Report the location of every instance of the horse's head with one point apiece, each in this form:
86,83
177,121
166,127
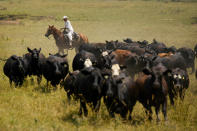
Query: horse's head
49,31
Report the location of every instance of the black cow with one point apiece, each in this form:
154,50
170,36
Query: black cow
14,70
138,43
69,85
171,62
189,56
178,83
153,89
120,94
55,68
158,47
33,63
87,86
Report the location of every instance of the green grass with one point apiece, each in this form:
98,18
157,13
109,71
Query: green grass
31,107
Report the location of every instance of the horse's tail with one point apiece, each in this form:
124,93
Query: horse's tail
83,38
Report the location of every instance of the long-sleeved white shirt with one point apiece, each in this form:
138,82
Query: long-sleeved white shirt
69,26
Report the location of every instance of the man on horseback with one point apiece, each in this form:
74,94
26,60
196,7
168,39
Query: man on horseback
68,29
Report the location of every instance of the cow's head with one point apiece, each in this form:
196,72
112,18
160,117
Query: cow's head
179,78
110,45
34,54
158,74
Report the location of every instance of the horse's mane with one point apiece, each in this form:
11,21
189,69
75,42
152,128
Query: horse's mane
55,29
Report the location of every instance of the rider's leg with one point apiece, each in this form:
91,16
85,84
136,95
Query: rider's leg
70,38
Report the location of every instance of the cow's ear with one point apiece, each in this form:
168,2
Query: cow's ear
123,67
29,50
14,57
112,57
39,50
107,41
167,72
50,54
110,51
146,71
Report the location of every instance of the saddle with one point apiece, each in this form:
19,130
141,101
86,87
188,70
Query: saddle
74,35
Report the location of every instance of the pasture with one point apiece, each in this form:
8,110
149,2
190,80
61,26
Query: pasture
23,24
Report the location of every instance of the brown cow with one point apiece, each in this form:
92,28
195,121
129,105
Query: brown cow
153,89
125,58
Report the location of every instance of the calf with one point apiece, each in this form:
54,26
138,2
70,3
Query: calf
153,89
14,70
55,68
178,83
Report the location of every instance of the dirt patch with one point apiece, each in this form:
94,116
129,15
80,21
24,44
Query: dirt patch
11,17
10,22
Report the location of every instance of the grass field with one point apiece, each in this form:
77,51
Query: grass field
23,24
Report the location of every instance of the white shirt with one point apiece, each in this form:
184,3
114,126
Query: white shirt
69,26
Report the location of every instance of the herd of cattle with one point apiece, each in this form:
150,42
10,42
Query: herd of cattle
121,73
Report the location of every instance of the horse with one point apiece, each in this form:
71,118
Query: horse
62,42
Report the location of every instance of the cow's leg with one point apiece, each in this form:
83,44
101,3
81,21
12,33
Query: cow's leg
21,81
80,109
148,110
182,94
97,105
108,104
10,80
157,108
124,112
171,96
69,97
39,79
164,108
83,108
131,109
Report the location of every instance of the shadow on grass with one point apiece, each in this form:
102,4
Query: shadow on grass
43,89
73,118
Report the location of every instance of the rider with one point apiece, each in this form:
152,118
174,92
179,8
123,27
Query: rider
69,28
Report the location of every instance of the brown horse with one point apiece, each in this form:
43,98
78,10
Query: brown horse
61,41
